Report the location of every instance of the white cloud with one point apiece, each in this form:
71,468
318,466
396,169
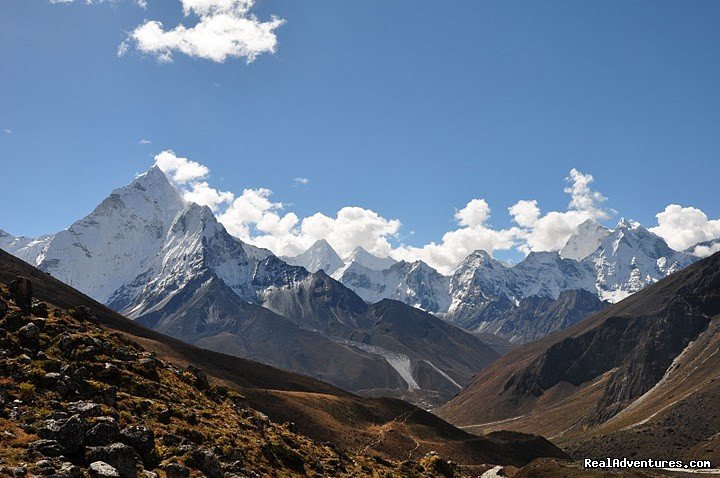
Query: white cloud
457,245
525,212
201,193
583,198
7,131
145,141
474,214
706,250
302,181
180,170
682,227
123,48
551,231
256,218
224,29
140,3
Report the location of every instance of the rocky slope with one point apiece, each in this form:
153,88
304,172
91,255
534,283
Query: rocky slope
88,392
636,376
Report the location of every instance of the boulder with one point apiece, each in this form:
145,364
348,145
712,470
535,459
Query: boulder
100,469
205,461
147,367
39,309
68,470
49,448
118,455
22,293
68,433
85,409
200,380
29,335
176,470
104,431
142,439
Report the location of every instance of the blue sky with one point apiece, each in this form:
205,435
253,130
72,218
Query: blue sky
410,109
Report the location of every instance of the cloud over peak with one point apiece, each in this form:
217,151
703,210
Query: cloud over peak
255,217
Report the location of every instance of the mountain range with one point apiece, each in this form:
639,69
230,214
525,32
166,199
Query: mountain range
88,392
483,294
365,323
640,378
169,264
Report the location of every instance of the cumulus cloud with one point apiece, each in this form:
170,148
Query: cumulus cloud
474,214
551,231
705,250
249,209
180,170
201,193
255,217
456,245
682,227
140,3
223,29
525,213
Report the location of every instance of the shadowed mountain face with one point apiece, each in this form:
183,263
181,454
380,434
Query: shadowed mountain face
386,428
535,317
631,369
426,352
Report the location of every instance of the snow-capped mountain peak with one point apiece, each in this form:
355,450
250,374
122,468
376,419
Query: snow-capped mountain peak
319,256
29,249
106,249
584,241
630,258
371,261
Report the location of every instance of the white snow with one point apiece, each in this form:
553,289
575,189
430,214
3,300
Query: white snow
416,284
29,249
584,241
401,363
448,377
319,256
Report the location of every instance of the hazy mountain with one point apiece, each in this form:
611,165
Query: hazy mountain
535,316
